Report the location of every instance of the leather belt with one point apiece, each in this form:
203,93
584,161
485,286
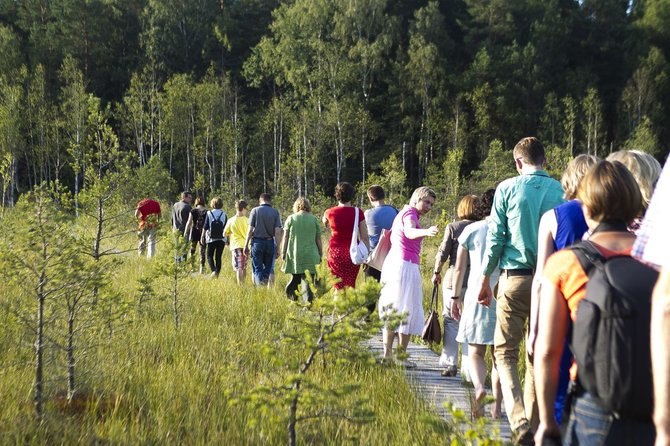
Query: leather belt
518,272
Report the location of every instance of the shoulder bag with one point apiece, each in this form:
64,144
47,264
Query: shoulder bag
357,250
431,329
378,255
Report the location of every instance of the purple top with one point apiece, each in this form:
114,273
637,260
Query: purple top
409,249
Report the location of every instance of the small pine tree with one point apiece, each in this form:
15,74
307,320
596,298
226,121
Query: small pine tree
171,265
331,329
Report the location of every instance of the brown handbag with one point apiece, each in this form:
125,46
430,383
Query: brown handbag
431,329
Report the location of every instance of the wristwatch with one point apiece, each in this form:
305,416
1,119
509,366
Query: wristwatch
437,272
455,297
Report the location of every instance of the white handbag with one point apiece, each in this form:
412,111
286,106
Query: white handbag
357,250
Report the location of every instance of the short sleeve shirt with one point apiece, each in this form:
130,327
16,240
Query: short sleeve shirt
409,248
149,211
265,219
236,229
378,218
341,221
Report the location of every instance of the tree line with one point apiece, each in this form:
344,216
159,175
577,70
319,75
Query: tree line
244,96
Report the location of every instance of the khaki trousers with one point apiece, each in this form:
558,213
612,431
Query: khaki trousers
512,312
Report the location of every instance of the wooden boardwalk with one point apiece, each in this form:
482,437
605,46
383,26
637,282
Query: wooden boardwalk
438,390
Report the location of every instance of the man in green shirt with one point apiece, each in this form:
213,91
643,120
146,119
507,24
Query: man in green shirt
511,243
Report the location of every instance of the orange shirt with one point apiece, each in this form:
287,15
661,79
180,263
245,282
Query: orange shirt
564,271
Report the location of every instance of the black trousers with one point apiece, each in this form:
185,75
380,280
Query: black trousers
375,274
214,253
294,285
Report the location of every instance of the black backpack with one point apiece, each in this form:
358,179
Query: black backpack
216,227
200,215
610,337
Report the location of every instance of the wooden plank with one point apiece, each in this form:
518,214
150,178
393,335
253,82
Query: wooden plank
438,390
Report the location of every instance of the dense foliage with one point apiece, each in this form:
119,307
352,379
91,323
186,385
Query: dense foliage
290,96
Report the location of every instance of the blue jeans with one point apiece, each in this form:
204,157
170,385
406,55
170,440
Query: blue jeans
262,259
591,425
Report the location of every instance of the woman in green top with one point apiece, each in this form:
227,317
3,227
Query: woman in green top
301,246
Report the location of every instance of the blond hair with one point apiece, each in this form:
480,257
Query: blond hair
301,204
420,193
574,173
216,203
644,167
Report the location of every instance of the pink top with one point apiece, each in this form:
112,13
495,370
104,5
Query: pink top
409,249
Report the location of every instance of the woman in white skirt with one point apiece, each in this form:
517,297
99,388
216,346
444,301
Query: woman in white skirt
401,280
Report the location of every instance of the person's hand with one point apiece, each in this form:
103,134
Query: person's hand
277,253
246,251
456,309
548,434
485,293
432,231
436,279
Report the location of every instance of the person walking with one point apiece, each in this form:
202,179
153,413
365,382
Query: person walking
651,247
378,218
181,211
559,228
401,279
194,228
148,212
264,235
447,253
340,219
235,231
611,199
213,235
301,248
511,243
476,322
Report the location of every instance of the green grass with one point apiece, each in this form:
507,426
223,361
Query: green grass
152,384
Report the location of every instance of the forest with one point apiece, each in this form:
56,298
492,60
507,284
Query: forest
237,97
105,102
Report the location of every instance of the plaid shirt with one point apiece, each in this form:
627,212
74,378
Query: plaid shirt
653,238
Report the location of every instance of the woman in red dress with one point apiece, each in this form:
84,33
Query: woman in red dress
341,220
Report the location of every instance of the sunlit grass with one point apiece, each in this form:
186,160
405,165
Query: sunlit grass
151,383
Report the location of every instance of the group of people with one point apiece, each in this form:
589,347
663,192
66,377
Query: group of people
537,243
519,259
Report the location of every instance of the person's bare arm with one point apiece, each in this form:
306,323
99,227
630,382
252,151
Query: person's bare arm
319,245
363,234
552,327
412,232
278,237
545,247
460,267
660,356
247,240
284,244
189,223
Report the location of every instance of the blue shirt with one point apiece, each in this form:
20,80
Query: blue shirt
378,218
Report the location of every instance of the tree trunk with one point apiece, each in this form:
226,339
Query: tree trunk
175,292
39,350
70,355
